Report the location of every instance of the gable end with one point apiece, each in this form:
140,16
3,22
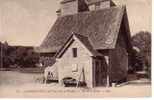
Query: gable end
70,41
124,38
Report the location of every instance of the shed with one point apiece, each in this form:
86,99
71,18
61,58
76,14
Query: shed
77,59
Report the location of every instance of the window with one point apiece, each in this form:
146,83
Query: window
74,51
97,6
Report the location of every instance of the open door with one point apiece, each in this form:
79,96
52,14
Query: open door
100,71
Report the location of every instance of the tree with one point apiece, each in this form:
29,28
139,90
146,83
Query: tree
25,57
142,40
5,61
22,56
31,58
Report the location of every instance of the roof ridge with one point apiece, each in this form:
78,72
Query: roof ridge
80,35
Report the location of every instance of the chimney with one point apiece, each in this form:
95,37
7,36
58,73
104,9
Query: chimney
69,7
99,4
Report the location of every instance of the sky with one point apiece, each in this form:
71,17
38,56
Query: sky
27,22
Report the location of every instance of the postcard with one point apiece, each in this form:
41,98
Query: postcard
75,48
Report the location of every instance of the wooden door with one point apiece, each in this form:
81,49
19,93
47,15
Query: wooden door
100,72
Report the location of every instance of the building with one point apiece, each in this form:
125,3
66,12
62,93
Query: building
102,30
77,58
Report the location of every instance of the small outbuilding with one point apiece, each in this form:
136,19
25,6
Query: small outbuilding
78,59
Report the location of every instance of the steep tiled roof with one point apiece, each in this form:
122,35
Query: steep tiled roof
85,41
101,27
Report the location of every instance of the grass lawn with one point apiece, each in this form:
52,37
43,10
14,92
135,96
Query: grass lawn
14,78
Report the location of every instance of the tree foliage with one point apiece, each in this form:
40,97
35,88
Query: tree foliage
18,55
142,40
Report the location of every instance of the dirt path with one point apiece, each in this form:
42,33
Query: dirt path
53,90
15,84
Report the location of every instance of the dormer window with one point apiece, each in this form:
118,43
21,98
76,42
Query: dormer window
99,4
74,52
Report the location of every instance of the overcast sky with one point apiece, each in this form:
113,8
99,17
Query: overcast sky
27,22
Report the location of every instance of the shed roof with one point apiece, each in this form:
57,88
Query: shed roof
84,40
101,27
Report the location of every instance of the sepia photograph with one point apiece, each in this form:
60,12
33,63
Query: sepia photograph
75,48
